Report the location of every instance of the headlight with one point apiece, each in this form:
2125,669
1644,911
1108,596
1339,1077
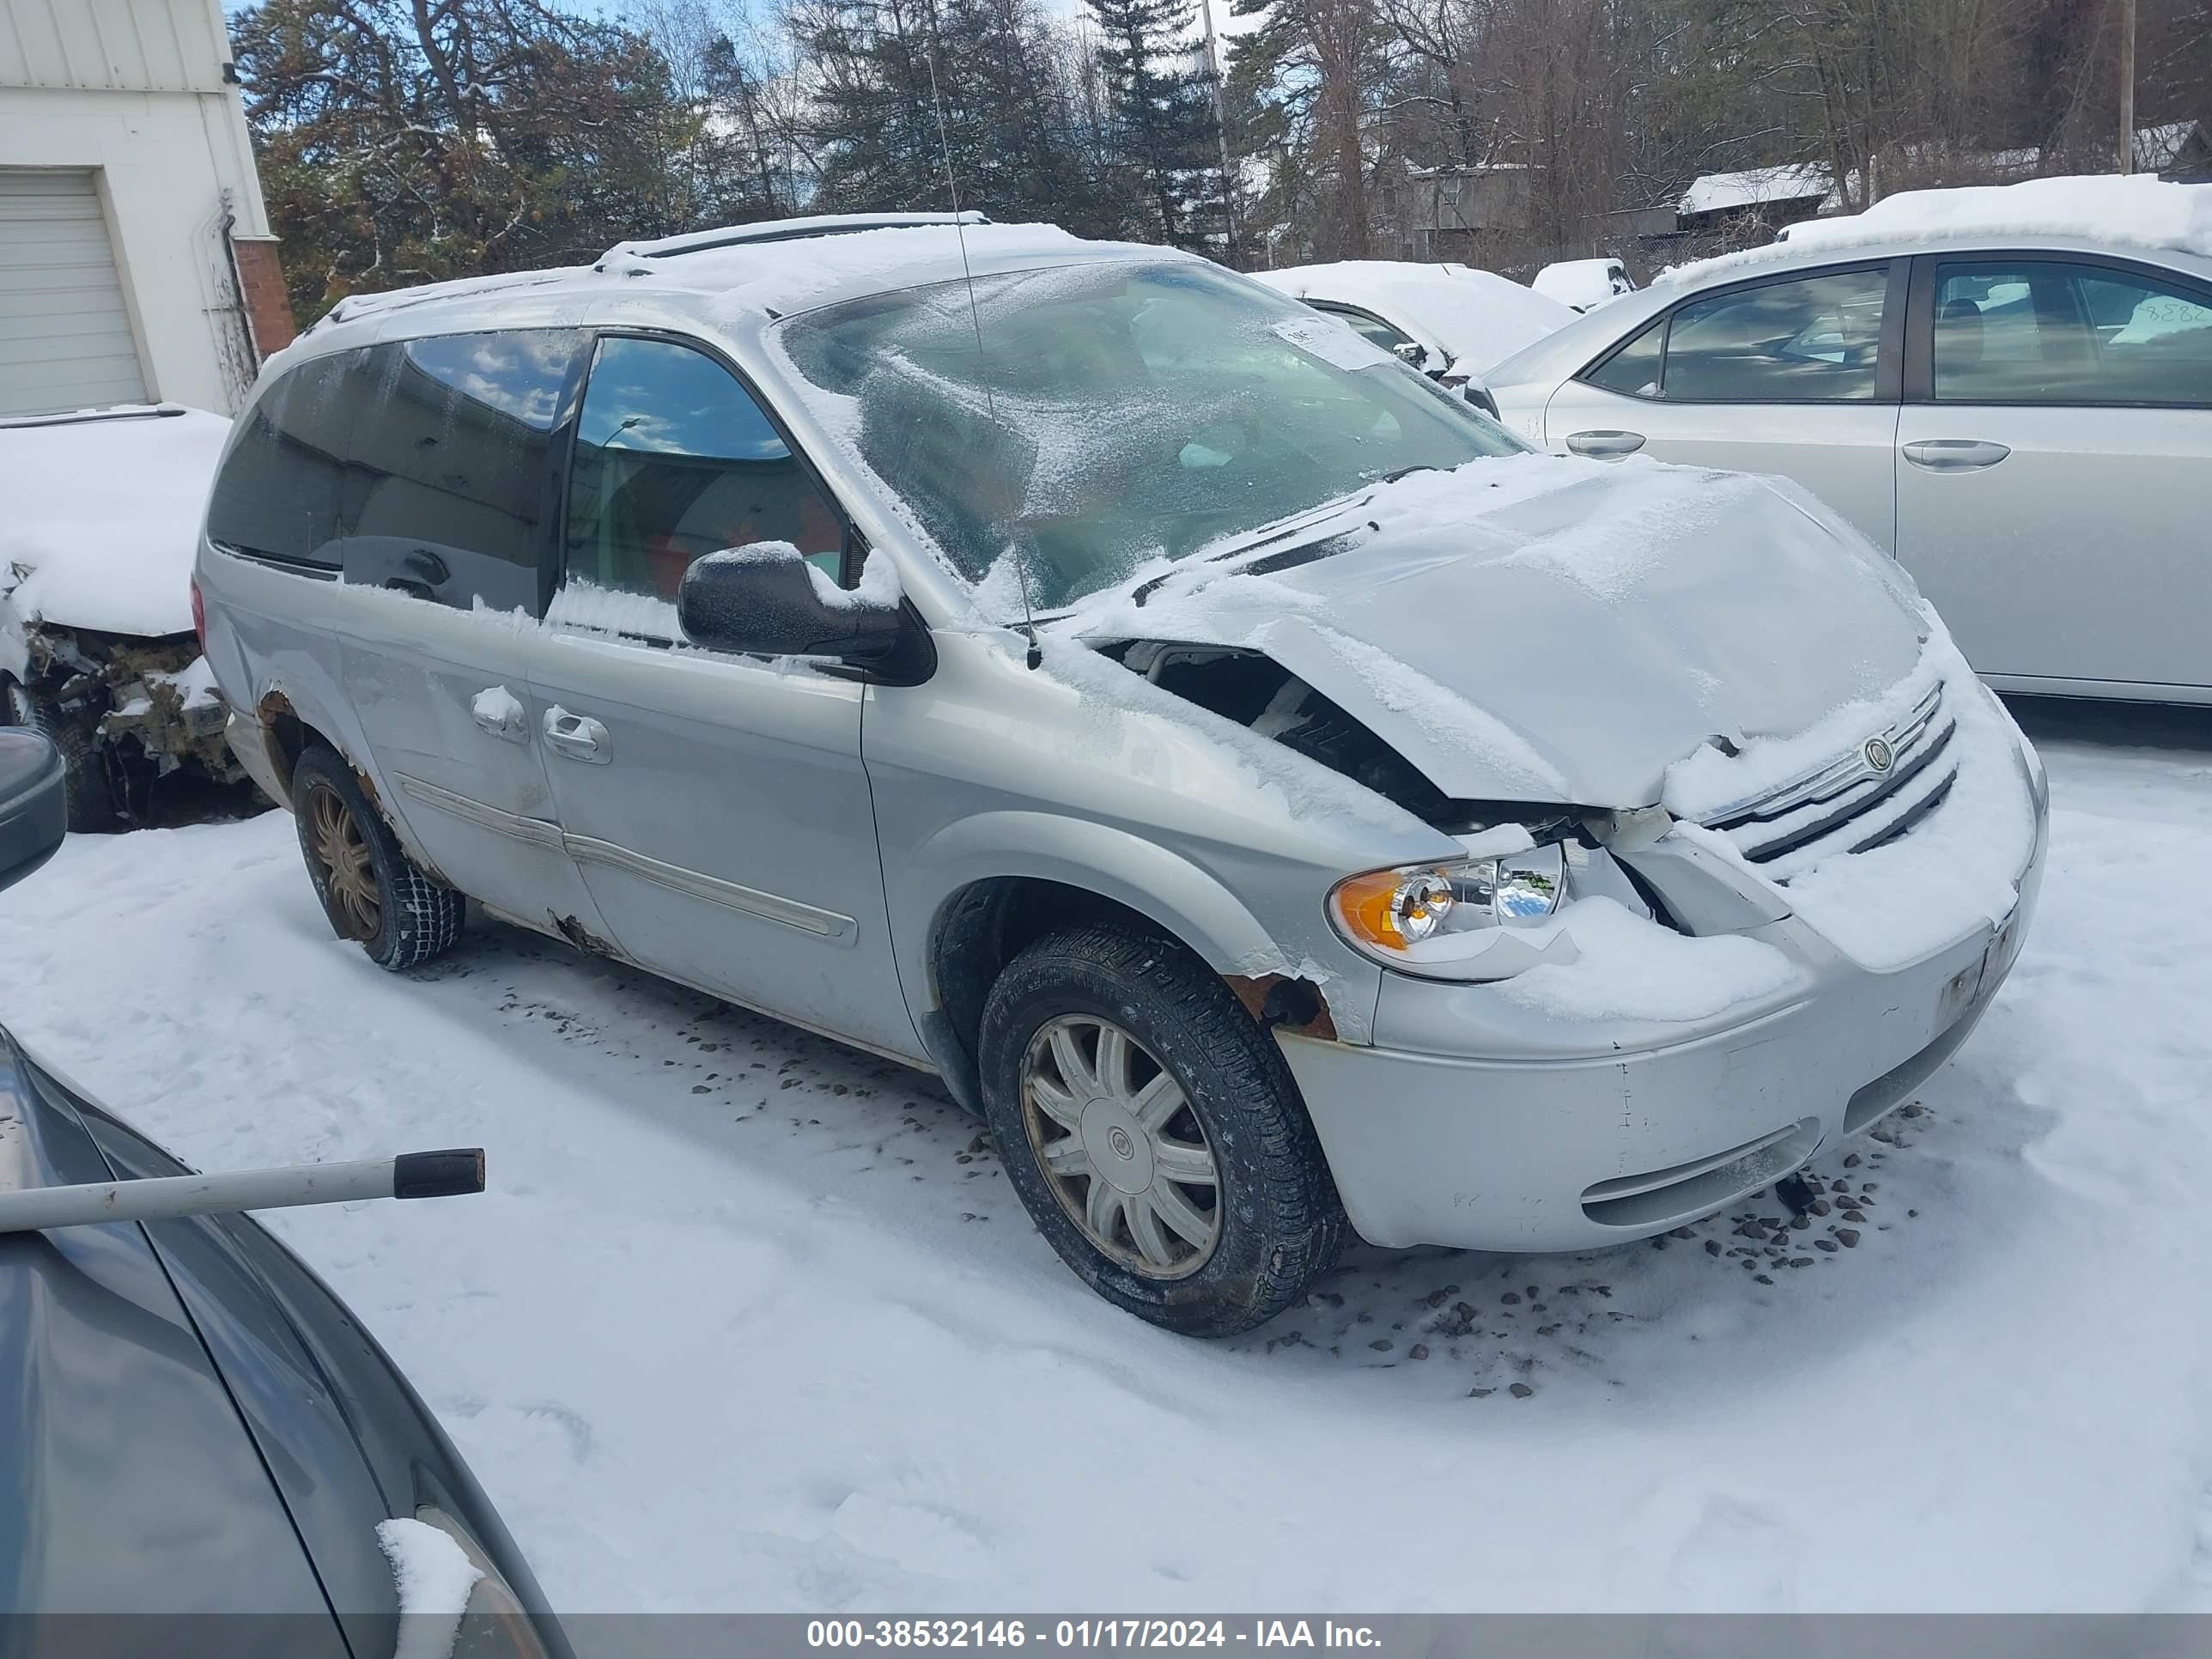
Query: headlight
494,1624
1416,916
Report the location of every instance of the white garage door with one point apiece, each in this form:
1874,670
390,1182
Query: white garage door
64,337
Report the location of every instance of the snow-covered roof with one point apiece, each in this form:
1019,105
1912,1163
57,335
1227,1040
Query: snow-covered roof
784,265
1755,185
1476,317
2132,211
104,514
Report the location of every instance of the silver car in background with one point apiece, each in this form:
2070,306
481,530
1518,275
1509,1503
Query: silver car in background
2022,417
1280,803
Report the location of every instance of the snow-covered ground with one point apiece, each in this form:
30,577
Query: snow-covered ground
748,1322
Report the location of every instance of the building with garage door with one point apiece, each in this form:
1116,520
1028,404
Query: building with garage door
136,262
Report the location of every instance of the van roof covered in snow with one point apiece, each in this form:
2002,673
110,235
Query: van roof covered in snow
755,267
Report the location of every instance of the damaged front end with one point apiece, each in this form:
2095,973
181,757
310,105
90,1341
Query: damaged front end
129,712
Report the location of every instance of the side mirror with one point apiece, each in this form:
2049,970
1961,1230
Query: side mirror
1472,387
33,803
766,600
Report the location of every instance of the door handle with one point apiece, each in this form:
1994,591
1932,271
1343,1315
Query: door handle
497,712
1604,445
577,736
1954,454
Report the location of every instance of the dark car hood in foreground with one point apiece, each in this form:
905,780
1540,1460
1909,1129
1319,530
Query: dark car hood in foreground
1547,630
193,1404
128,1483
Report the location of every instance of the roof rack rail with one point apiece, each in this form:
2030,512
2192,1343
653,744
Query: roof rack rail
363,305
783,230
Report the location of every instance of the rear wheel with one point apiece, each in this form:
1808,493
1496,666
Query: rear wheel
1154,1133
372,891
91,806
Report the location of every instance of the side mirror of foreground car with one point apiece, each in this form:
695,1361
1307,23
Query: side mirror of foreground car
33,803
767,600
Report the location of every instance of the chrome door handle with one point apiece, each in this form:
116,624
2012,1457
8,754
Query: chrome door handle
1955,454
498,712
1604,445
577,736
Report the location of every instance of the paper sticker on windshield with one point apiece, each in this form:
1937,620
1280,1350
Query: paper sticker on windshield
1332,342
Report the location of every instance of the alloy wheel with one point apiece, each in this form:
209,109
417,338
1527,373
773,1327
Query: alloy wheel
342,861
1120,1147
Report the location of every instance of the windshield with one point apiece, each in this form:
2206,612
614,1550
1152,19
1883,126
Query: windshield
1117,412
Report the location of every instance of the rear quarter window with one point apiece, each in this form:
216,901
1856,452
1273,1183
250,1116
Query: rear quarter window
278,492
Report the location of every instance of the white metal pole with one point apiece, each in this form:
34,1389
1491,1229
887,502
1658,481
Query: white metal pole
412,1175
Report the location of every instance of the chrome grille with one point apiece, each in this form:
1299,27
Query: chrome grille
1850,804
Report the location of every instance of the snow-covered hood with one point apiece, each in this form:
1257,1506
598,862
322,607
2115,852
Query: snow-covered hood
102,519
1540,629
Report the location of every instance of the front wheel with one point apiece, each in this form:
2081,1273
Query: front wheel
1154,1133
370,890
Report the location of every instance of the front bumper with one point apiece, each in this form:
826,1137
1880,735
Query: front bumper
1599,1149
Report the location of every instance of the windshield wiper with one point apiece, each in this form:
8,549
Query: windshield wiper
1266,535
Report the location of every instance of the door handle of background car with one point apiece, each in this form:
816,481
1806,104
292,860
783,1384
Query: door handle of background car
1955,454
577,736
1605,446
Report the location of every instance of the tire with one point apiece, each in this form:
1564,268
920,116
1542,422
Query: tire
372,891
91,806
1189,1076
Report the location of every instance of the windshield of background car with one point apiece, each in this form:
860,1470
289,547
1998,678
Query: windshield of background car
1113,413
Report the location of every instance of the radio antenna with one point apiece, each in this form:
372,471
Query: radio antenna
975,320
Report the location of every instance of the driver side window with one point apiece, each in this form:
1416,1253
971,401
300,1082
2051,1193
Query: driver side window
674,461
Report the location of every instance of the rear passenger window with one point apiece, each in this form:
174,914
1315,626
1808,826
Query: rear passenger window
450,490
277,495
2030,332
675,460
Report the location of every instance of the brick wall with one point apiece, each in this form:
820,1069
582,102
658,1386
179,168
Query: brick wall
261,281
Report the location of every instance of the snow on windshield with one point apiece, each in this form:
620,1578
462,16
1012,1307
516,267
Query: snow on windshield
1093,416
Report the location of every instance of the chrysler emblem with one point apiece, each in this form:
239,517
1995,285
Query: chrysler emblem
1879,754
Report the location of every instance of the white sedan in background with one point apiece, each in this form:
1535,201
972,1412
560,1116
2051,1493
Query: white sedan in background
2009,388
1450,321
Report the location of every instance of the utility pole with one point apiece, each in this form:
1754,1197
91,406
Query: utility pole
1221,126
2127,86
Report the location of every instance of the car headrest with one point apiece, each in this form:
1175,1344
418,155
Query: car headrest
1958,335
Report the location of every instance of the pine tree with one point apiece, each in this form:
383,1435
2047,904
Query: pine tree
919,100
1161,135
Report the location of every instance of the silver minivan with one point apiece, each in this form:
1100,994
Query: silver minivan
1281,803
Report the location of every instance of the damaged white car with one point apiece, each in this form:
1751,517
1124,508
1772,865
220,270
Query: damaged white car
1281,803
97,647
